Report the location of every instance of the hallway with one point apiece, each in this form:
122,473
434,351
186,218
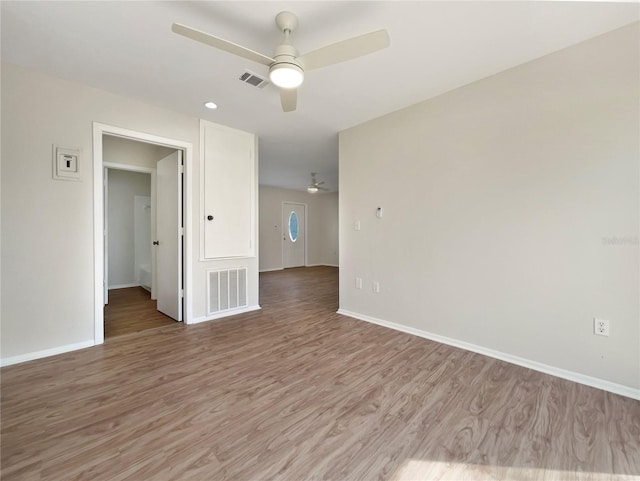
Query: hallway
132,310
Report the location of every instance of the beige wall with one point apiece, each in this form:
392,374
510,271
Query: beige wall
47,225
502,204
322,226
131,152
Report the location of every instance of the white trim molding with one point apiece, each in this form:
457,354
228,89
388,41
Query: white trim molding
46,353
615,388
227,313
128,167
99,130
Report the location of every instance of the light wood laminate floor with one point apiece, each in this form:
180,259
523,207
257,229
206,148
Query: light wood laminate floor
131,309
297,392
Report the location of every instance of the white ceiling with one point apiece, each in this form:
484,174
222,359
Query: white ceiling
128,48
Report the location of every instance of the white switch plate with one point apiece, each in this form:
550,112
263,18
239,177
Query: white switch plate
66,163
358,282
356,225
376,287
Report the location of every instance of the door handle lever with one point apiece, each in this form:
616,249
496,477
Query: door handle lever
156,243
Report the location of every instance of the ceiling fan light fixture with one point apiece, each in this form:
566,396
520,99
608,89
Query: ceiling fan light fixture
210,105
312,189
286,75
286,65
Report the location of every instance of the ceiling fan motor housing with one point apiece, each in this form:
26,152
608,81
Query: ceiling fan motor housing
286,71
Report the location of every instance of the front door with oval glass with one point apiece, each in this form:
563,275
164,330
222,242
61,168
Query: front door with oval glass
293,234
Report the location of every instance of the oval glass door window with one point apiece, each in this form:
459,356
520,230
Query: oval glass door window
293,226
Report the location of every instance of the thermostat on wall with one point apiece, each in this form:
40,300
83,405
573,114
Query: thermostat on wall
66,163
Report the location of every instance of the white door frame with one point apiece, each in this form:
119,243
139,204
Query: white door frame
99,130
282,239
105,235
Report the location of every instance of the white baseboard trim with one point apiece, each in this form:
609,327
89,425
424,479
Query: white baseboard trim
124,286
272,270
615,388
46,353
230,312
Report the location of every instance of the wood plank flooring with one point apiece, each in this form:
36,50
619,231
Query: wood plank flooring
132,310
297,392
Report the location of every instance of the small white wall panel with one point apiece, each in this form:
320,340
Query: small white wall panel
229,189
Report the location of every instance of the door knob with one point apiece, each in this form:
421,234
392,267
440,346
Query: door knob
156,243
209,217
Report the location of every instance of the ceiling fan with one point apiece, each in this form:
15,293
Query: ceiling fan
315,186
287,67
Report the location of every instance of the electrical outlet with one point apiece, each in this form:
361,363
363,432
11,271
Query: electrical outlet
600,327
358,282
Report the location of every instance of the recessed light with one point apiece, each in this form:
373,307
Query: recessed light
210,105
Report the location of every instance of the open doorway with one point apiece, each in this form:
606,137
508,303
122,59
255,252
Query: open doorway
135,218
130,300
140,279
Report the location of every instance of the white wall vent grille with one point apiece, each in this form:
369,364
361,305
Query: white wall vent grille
227,289
253,79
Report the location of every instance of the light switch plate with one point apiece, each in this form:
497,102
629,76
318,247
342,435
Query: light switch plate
66,163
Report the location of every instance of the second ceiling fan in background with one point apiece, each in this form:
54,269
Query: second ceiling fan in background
287,67
315,186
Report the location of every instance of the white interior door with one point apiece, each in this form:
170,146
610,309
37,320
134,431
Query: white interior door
169,236
293,234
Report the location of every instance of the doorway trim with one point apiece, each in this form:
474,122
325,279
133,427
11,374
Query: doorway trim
99,130
306,223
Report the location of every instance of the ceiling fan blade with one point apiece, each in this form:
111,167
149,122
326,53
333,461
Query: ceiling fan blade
346,50
221,44
289,99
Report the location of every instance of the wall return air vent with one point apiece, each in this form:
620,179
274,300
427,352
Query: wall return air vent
227,289
253,79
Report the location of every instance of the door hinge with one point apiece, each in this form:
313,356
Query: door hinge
181,293
181,169
182,231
